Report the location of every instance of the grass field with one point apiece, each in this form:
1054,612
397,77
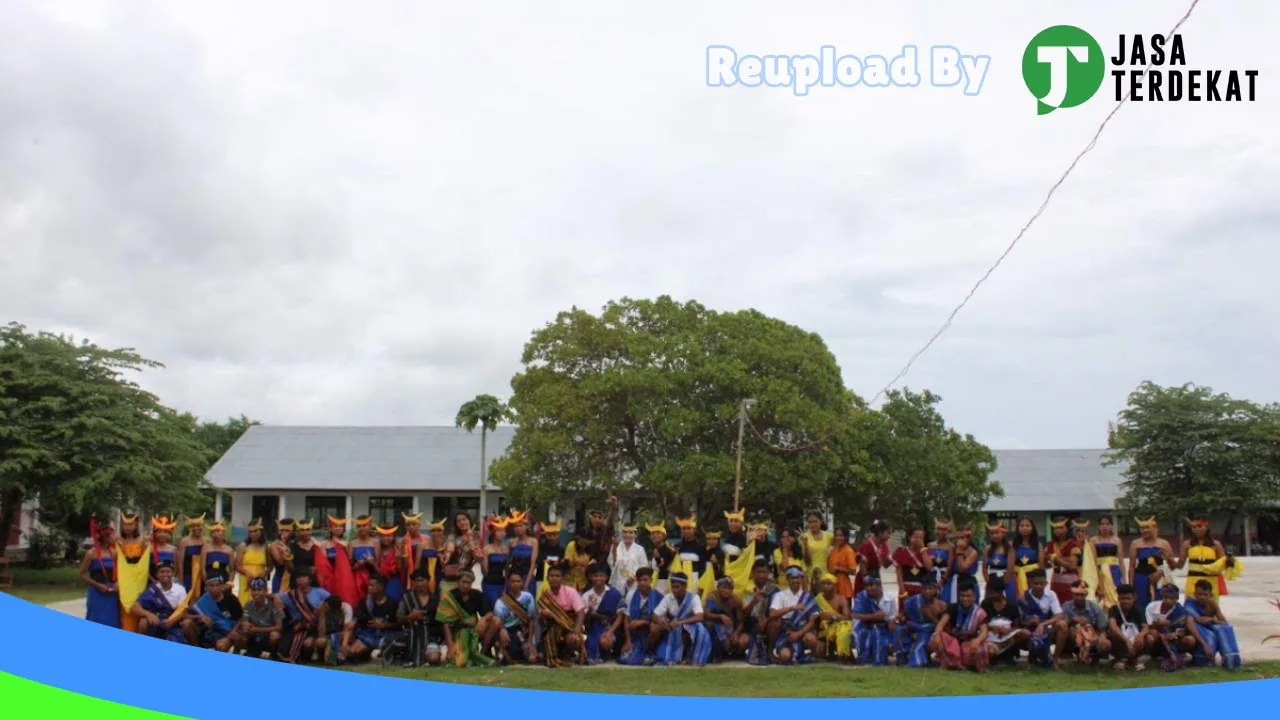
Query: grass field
822,681
46,586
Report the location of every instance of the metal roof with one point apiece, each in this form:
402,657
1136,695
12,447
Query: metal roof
432,459
407,459
1054,480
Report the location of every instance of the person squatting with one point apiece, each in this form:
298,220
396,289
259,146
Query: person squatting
704,598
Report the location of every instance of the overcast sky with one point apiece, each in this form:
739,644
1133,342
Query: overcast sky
317,215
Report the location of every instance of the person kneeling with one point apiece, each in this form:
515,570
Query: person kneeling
263,621
872,632
724,620
679,616
797,613
515,611
1127,629
468,623
161,607
377,626
563,616
961,638
1084,631
216,617
1214,635
1168,635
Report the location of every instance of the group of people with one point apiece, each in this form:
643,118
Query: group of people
510,593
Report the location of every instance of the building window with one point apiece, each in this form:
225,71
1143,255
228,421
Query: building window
443,508
320,507
386,511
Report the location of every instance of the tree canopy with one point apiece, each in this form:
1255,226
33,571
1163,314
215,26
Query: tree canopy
642,399
1191,451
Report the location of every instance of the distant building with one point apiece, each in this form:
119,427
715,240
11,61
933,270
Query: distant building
26,520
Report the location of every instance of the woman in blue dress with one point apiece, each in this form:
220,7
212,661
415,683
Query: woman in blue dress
524,550
965,565
1027,555
218,557
940,558
190,548
162,550
493,560
1149,557
997,558
98,572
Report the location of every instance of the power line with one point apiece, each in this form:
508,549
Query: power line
1036,215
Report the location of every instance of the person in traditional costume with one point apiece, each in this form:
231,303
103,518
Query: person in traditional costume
835,623
1108,549
797,612
960,640
735,538
764,546
281,555
723,615
1064,555
494,559
262,622
252,559
469,625
843,564
304,605
1149,556
815,542
563,619
679,617
1041,616
872,629
873,555
339,620
1126,628
387,562
626,558
717,558
1214,635
364,556
918,617
577,558
1205,558
162,548
1028,555
761,629
302,550
417,613
1084,627
910,563
1005,631
997,559
333,567
190,548
603,621
433,553
461,553
133,567
550,552
516,611
161,608
691,553
640,637
966,562
524,549
664,556
940,558
413,551
1168,633
600,532
218,557
214,619
789,553
377,623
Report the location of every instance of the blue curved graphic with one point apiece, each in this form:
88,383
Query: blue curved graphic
68,653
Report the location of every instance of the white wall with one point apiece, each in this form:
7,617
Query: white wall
295,502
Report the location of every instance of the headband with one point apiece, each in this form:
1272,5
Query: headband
688,523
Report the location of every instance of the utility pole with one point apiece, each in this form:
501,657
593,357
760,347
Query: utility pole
742,427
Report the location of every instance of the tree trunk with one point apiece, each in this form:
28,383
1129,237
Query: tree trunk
484,467
10,506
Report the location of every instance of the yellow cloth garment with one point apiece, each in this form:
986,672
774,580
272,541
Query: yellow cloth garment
131,579
1022,572
1204,559
838,633
254,561
1106,583
737,569
818,548
576,578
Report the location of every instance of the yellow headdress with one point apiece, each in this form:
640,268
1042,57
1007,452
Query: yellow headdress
759,527
828,578
551,527
364,521
1148,523
998,527
128,520
337,522
162,523
195,521
740,515
713,535
1059,524
218,526
437,526
385,531
1080,524
499,522
287,524
414,518
304,525
689,523
255,524
660,527
1197,523
517,518
630,528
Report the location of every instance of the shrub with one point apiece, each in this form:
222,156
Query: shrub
47,547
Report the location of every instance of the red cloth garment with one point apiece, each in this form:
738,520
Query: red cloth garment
913,569
875,557
337,578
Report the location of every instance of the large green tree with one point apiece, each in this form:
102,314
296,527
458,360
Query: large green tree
903,464
641,401
485,412
1189,450
78,436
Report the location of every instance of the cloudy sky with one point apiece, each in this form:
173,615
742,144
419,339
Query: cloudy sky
323,215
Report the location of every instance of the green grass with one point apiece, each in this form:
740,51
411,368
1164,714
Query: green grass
822,681
46,586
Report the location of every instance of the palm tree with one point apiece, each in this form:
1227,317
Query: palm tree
485,411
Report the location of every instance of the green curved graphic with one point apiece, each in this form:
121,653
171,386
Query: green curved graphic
25,698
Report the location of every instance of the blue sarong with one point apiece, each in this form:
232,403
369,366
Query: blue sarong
911,638
222,626
794,621
1220,637
671,651
153,601
640,608
596,626
871,639
720,633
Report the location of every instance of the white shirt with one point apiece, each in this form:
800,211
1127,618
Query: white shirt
625,561
1154,613
625,607
785,598
1049,604
174,595
670,605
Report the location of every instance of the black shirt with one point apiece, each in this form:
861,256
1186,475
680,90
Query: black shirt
764,551
549,551
697,554
474,602
371,609
1135,615
662,556
738,540
304,561
718,555
229,607
1009,612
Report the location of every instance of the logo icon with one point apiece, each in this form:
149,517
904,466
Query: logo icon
1063,66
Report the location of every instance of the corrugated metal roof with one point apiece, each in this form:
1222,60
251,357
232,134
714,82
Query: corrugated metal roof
422,459
427,459
1054,480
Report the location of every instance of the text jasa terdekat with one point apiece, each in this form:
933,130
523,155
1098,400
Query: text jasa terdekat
1168,79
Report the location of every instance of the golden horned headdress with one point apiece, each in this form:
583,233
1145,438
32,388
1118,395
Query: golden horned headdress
740,515
499,522
689,523
998,528
660,527
437,526
304,525
254,524
518,518
364,521
195,521
217,527
1080,524
414,519
1150,522
127,520
1198,524
713,534
162,523
550,528
337,522
1059,524
630,528
385,531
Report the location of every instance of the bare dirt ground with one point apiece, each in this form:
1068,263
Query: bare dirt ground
1248,607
